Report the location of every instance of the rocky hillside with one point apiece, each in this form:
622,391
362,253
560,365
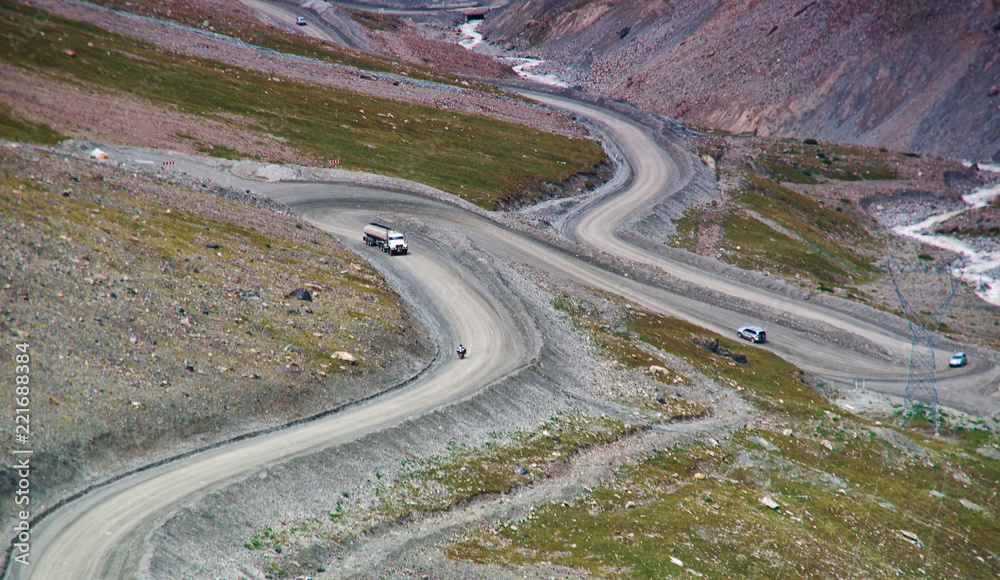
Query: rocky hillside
162,316
916,75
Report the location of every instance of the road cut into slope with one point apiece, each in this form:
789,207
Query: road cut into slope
657,175
104,533
100,534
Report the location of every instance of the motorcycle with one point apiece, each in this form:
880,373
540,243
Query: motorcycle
461,351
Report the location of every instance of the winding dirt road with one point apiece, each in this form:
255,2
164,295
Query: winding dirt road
100,535
657,175
103,533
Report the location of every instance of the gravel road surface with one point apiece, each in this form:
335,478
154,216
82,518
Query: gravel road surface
454,277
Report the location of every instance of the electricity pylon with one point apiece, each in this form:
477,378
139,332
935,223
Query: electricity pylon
921,376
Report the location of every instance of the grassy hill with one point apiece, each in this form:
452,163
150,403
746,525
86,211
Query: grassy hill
476,157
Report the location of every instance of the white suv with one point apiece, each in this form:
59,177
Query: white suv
752,333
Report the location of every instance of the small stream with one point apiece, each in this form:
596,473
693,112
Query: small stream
523,67
470,33
471,37
981,254
982,260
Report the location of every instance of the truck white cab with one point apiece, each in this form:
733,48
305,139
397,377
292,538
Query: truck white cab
386,238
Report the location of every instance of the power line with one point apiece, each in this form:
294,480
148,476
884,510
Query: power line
921,376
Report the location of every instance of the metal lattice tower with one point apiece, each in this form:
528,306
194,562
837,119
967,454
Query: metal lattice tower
921,376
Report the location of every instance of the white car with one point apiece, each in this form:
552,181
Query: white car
301,21
958,360
752,333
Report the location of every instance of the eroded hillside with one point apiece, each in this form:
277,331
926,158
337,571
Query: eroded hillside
920,75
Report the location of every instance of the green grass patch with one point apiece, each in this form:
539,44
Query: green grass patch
477,158
13,130
826,246
809,162
178,240
753,245
698,508
498,466
685,225
614,341
808,218
815,242
503,463
847,488
201,16
766,379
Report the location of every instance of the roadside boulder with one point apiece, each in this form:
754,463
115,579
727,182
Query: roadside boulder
301,294
344,356
248,294
710,344
911,538
764,443
740,358
971,505
770,503
988,452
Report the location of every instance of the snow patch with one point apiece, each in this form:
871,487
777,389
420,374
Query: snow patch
993,167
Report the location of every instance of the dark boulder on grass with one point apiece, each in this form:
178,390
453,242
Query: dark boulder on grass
712,345
301,294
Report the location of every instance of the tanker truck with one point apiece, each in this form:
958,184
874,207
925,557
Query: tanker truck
386,238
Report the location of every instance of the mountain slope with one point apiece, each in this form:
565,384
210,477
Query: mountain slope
919,75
